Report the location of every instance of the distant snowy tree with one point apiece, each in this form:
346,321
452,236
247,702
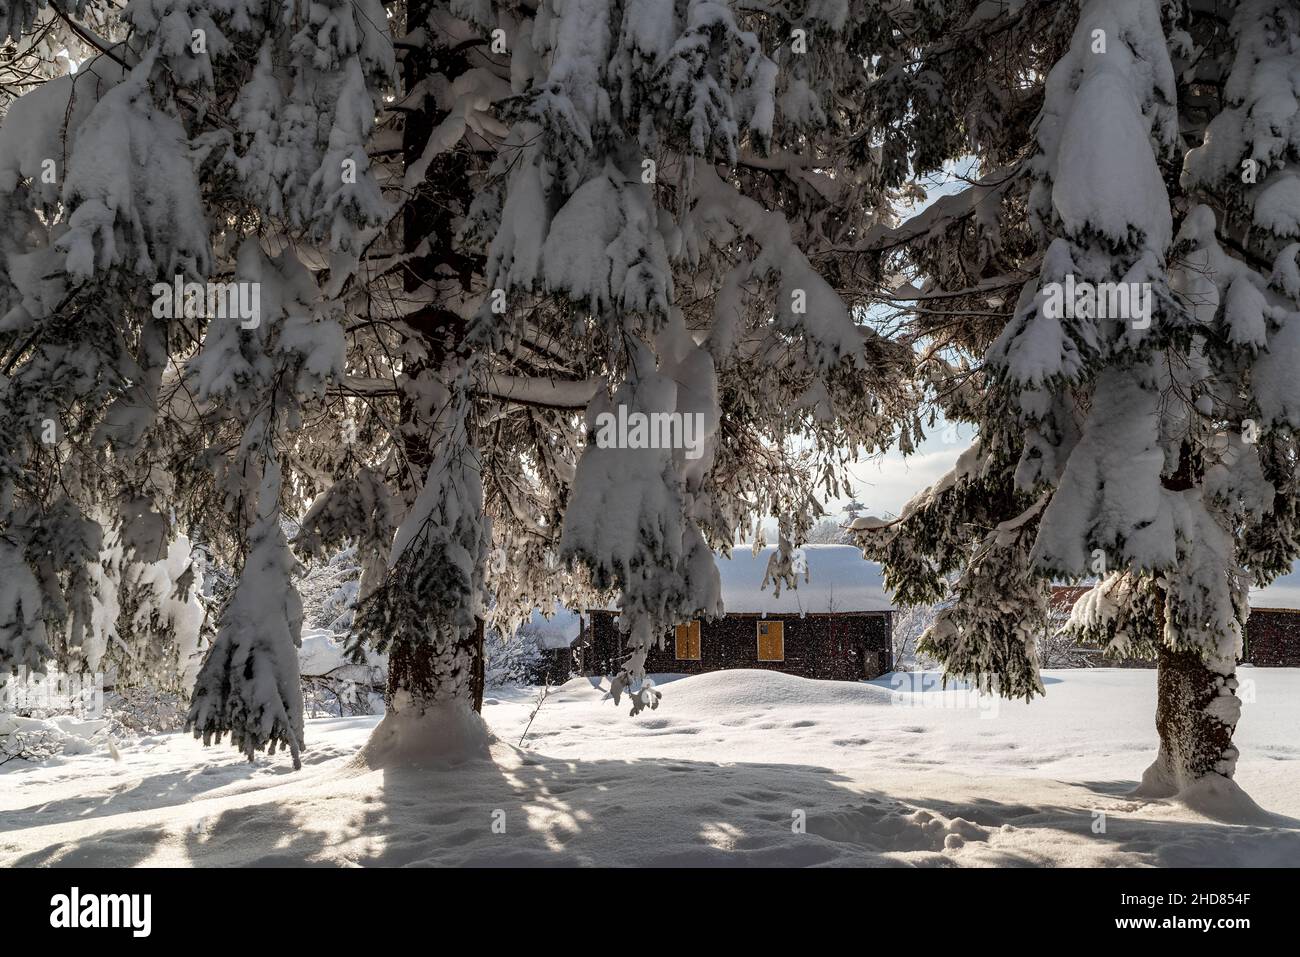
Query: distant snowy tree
909,624
1059,645
513,659
329,590
1147,440
827,531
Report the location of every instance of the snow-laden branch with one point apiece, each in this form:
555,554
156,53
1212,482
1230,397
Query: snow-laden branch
936,217
552,393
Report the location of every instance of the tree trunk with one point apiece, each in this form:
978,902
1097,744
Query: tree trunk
1196,698
424,671
1196,713
478,677
422,666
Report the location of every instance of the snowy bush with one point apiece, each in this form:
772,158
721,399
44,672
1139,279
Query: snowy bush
910,622
22,742
143,710
38,737
521,658
330,589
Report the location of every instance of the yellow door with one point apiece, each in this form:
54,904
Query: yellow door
771,641
687,641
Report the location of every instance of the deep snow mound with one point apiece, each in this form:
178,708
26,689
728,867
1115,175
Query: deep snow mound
443,736
733,689
1222,799
745,688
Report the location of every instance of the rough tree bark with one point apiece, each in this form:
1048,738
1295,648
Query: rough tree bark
1196,714
1196,696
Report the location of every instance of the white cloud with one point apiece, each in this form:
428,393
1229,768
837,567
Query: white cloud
885,484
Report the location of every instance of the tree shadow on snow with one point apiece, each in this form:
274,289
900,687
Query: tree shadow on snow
125,847
1115,828
524,808
148,793
530,809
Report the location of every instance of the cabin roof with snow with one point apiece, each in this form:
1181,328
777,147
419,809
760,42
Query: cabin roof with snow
558,631
832,579
839,579
1283,593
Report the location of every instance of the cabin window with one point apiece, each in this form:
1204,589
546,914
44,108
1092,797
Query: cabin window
688,641
771,641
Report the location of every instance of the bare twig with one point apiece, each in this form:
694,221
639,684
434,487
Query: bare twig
541,698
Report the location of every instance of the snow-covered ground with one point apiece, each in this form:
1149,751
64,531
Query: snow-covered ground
722,773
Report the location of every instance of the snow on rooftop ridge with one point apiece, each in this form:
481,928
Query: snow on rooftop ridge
558,631
839,579
1282,592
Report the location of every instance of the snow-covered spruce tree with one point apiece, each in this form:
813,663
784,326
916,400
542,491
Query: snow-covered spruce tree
1148,442
203,145
59,356
249,684
661,177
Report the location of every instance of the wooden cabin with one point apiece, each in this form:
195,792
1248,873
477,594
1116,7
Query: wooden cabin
1271,635
837,624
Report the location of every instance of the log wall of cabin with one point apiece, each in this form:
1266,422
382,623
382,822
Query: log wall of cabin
840,647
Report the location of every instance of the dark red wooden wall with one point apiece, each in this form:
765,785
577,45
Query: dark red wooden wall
1273,638
841,647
